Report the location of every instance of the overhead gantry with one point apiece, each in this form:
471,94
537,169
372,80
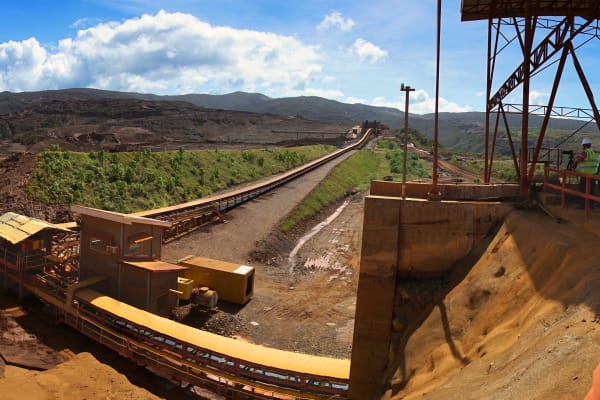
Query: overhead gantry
515,23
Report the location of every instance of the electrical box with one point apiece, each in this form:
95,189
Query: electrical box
233,282
185,286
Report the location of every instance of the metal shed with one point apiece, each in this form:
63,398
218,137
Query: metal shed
127,250
25,246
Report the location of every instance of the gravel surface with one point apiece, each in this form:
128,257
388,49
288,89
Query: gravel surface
309,309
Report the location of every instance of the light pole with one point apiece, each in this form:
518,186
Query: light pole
406,90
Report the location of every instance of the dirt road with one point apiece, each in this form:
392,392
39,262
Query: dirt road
305,310
310,310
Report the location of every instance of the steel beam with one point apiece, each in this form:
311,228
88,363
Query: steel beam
510,141
562,34
525,78
559,72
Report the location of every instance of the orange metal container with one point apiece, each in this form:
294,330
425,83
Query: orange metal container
233,282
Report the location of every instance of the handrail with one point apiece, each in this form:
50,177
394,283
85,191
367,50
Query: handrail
564,190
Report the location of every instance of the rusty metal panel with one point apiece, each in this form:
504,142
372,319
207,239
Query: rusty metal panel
113,216
16,228
472,10
162,300
233,282
156,266
134,288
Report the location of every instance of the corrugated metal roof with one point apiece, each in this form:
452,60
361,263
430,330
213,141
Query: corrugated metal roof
204,262
483,9
118,217
16,227
155,266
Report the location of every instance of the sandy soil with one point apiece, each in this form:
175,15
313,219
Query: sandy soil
301,310
82,377
522,324
296,311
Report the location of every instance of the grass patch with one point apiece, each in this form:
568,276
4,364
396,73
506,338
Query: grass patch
355,174
391,154
502,169
135,181
352,174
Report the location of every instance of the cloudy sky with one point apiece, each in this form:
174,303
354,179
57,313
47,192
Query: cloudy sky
350,51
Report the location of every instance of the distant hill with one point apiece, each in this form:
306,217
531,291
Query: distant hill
458,131
86,120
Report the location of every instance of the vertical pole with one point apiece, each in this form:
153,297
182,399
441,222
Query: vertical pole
488,89
437,99
509,137
405,144
540,141
406,90
525,121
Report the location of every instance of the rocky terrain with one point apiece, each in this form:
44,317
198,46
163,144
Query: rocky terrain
93,121
129,124
270,319
520,322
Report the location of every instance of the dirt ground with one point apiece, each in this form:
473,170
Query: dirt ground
304,309
522,324
308,309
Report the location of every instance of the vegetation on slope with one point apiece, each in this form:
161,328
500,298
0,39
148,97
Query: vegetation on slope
354,174
503,169
135,181
393,154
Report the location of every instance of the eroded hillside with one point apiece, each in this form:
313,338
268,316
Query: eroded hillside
523,324
128,124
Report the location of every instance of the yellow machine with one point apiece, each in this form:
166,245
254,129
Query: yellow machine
233,282
185,286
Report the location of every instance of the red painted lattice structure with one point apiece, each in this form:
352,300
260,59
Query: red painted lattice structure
517,22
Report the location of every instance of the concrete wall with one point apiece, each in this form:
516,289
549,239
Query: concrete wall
403,239
447,191
375,298
435,235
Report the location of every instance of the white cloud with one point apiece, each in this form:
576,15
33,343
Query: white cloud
367,51
355,100
82,23
538,98
311,91
162,53
420,102
336,20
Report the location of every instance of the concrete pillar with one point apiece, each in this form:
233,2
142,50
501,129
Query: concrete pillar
375,301
414,239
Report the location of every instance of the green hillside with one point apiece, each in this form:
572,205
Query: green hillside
136,181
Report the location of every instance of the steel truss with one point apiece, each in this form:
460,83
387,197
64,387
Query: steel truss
565,36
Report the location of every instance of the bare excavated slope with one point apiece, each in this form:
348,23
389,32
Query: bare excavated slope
110,124
522,324
82,377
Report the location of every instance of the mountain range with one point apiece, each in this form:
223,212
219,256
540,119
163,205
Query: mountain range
457,131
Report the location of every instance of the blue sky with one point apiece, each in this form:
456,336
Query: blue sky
350,51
